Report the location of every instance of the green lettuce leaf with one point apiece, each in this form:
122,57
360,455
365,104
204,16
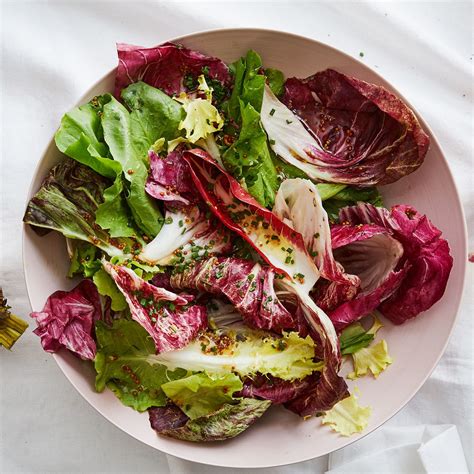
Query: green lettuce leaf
248,85
124,363
127,148
67,202
227,422
107,287
347,417
276,81
201,394
354,337
154,115
249,160
114,142
84,259
114,214
80,136
349,196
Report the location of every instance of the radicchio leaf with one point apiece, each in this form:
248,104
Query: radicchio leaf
366,134
187,235
369,252
299,205
67,320
274,389
227,422
246,284
166,67
170,179
426,258
170,319
276,242
329,388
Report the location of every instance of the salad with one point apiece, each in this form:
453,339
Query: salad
229,241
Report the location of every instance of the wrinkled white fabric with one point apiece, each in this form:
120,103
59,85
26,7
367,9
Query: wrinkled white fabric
52,52
391,450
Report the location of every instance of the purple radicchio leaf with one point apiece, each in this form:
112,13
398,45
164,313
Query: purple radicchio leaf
276,242
67,320
267,387
171,320
426,257
166,418
321,394
246,284
327,390
166,67
371,253
170,179
367,135
224,423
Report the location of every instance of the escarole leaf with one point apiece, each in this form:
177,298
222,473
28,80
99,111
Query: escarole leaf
248,352
124,364
227,422
201,394
202,119
67,202
374,359
347,417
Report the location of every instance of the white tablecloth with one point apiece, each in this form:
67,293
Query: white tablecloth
52,52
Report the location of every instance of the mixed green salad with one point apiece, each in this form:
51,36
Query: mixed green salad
229,241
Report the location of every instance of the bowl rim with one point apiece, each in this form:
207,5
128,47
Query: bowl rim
433,138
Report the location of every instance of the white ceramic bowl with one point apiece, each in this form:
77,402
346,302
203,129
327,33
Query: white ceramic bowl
281,437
